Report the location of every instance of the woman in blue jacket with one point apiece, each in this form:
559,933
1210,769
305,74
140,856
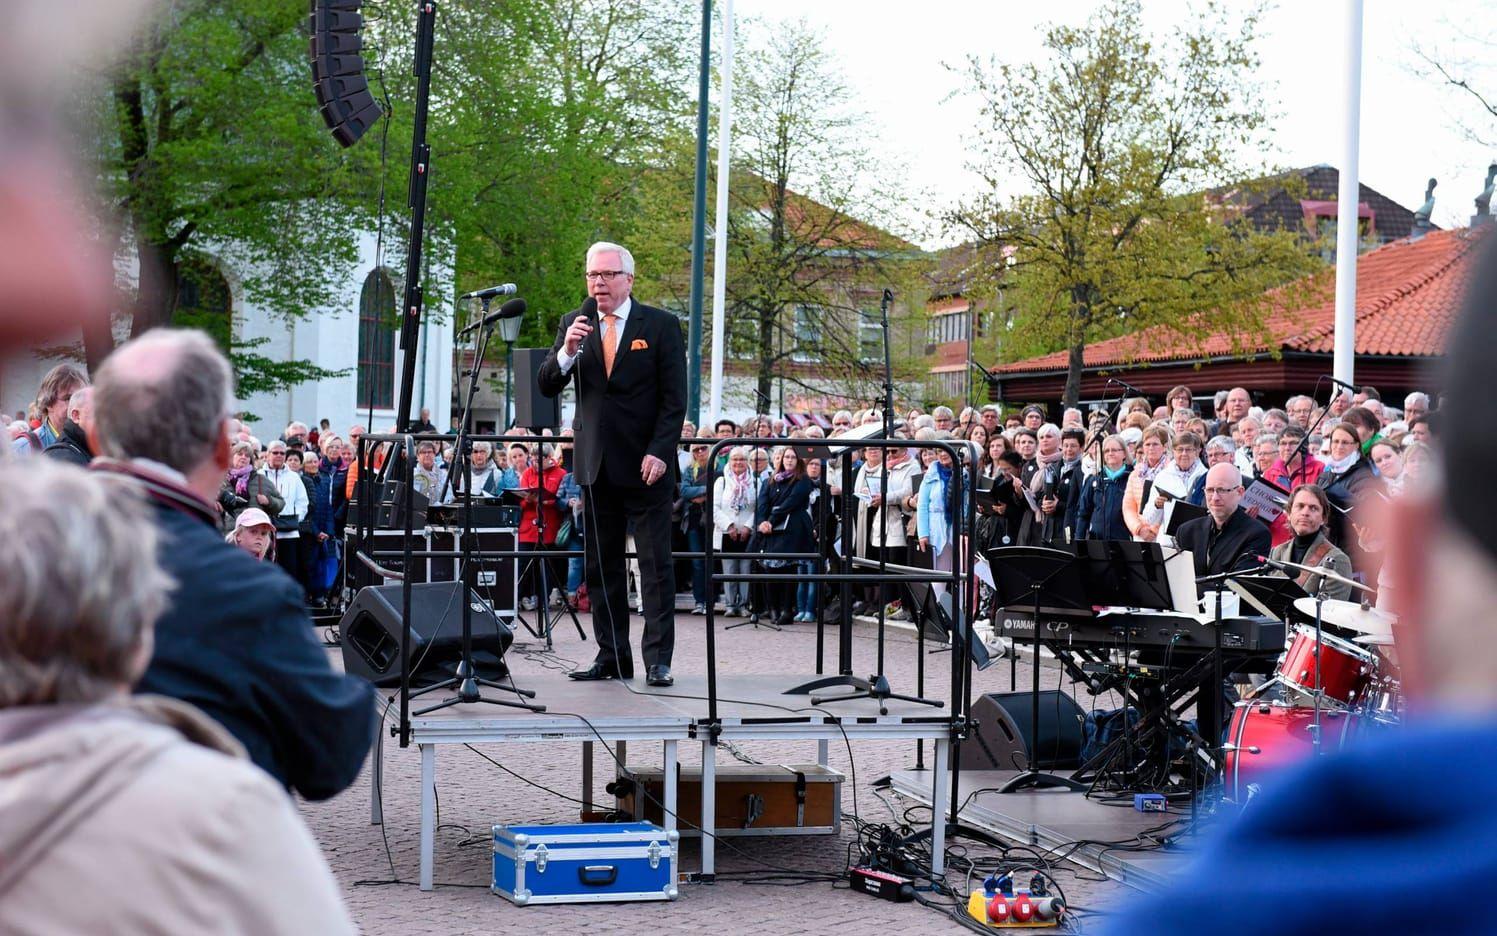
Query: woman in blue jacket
1100,513
937,513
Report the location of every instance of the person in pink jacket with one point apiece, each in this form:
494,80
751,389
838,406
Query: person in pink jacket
124,813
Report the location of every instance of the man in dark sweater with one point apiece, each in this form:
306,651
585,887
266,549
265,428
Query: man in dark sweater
235,640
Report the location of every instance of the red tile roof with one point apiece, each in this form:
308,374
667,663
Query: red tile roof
1408,293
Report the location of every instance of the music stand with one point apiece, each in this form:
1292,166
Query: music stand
1270,595
466,684
1044,579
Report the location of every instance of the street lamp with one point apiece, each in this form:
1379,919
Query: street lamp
509,333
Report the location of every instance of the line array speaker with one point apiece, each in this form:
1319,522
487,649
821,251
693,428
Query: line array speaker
343,95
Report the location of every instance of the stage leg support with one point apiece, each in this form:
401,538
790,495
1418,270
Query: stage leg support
940,793
671,790
377,774
587,777
428,812
709,808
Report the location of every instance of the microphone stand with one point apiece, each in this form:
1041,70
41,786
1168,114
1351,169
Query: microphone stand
465,679
1301,451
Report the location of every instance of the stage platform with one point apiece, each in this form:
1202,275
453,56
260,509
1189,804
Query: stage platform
1056,819
749,707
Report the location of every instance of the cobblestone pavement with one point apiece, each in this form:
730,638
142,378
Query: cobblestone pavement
474,794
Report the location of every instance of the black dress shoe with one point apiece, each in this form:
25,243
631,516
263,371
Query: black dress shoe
659,676
600,671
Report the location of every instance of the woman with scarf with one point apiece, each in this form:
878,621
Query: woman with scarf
1041,476
1348,480
937,513
1153,458
1099,515
784,526
243,487
880,531
1388,460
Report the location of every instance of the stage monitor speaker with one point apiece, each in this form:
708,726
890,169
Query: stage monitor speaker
371,631
1001,740
532,409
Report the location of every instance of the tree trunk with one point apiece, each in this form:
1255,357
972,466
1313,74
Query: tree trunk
156,298
766,361
1073,373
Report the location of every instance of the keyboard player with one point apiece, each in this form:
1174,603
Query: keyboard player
1226,539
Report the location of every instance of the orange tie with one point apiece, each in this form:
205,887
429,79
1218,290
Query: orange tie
610,342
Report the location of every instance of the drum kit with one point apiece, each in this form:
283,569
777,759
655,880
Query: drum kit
1328,691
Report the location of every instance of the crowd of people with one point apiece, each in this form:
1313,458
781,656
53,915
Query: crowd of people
285,499
221,636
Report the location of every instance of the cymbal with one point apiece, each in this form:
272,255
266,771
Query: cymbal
1350,615
1374,640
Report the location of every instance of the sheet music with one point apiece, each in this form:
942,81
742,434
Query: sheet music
984,571
1270,499
1171,487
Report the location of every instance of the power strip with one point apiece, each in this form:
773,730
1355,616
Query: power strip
881,884
1019,911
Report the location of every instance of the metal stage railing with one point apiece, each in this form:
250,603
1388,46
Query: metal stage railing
839,567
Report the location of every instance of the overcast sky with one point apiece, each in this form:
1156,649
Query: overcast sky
892,55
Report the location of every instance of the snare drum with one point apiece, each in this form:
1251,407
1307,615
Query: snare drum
1345,668
1282,735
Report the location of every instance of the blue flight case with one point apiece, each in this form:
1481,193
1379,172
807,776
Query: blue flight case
595,862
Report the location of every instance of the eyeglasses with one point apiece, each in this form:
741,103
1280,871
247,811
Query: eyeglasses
1220,492
843,425
605,275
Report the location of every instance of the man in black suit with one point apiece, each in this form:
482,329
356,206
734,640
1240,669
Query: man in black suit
630,366
1227,539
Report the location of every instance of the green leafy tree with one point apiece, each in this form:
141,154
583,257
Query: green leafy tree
810,208
210,145
1113,140
549,110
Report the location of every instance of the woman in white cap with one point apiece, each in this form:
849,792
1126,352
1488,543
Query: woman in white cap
254,532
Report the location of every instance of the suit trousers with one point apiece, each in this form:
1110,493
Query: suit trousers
610,510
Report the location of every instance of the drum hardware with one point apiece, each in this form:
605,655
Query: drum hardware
1349,615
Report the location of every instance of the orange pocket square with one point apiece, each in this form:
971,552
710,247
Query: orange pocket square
638,344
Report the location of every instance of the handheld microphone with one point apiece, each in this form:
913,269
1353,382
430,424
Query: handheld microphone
507,289
514,308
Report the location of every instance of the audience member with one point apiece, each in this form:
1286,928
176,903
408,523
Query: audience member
193,836
235,639
72,445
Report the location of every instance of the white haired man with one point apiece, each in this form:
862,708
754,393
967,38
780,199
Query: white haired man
628,362
235,639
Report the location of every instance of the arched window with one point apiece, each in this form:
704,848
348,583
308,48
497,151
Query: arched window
204,300
376,386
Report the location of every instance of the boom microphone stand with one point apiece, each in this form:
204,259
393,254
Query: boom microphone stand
466,680
877,686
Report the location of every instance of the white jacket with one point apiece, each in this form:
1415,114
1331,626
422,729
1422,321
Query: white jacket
889,529
723,514
291,487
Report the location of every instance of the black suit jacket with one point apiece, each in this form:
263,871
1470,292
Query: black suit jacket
638,410
1237,547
